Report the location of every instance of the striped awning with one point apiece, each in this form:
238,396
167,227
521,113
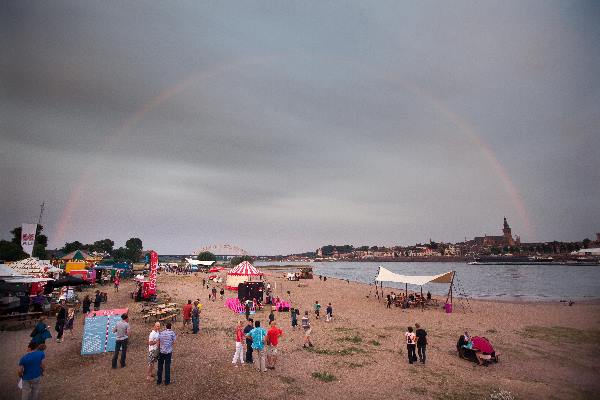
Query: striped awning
245,269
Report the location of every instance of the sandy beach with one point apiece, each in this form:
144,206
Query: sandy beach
548,350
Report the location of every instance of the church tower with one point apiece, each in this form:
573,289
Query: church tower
508,239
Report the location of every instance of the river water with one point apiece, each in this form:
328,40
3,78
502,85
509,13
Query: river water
509,282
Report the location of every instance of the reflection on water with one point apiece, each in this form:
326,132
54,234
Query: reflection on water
484,281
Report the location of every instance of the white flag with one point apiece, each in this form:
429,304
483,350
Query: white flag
28,237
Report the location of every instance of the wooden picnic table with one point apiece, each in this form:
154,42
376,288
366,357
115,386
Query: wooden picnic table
24,318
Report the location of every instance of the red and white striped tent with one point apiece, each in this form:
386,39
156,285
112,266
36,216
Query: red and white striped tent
243,272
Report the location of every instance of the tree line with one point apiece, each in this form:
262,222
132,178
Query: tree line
10,250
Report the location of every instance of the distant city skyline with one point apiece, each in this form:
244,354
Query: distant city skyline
280,127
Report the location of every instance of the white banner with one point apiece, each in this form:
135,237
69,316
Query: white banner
28,237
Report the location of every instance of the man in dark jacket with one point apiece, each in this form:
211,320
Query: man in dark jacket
61,319
247,329
421,342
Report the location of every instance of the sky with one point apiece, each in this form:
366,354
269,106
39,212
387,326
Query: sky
282,126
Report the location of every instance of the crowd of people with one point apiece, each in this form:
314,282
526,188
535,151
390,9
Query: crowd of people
254,343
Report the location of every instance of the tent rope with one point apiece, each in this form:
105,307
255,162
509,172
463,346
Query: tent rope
463,297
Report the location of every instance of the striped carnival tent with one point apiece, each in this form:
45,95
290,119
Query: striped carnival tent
243,272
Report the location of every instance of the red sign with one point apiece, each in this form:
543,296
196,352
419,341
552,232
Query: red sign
153,268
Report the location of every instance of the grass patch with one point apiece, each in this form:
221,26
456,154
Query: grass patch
356,365
382,336
287,379
343,352
374,343
491,331
418,390
342,329
352,339
561,334
323,376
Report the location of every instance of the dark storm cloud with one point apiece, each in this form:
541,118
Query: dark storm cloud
282,126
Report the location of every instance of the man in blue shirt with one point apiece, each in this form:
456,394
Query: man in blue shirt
258,344
165,346
31,369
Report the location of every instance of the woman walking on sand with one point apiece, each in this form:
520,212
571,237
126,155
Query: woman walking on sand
411,345
239,344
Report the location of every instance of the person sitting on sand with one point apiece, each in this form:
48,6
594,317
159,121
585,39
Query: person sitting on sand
307,330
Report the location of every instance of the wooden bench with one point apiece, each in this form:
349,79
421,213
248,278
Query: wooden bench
172,317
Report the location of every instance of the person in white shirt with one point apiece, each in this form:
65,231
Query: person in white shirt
153,349
411,345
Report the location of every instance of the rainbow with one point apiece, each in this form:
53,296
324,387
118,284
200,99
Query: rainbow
462,124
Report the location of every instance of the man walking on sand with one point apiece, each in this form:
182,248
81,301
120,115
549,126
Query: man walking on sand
273,336
421,335
61,319
239,344
247,329
258,335
165,347
196,317
153,349
122,338
187,314
31,369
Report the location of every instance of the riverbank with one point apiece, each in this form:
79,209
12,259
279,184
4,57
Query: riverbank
548,350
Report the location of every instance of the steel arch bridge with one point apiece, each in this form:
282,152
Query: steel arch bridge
223,250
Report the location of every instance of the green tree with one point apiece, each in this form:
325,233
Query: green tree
586,243
41,241
134,249
72,246
120,254
240,259
10,251
104,245
207,256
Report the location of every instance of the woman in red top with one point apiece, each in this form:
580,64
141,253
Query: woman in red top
239,344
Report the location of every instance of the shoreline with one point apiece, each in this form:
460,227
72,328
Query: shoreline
499,298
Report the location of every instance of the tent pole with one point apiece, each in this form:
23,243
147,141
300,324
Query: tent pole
406,289
450,290
422,302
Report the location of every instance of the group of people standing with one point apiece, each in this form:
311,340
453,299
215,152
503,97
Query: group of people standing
416,339
160,348
258,340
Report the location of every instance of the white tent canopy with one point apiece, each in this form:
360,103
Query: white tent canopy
191,261
9,275
385,275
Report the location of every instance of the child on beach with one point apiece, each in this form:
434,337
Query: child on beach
317,309
307,330
329,313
